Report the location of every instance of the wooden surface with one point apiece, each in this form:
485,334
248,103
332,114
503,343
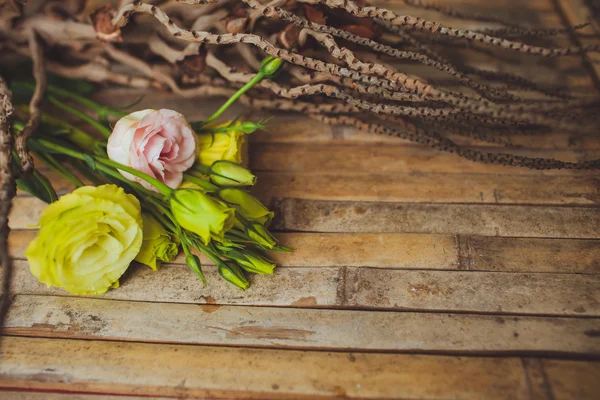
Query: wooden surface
416,274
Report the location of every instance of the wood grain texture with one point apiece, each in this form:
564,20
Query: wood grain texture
218,372
388,159
408,187
21,395
431,188
561,294
572,380
489,220
368,288
50,316
414,251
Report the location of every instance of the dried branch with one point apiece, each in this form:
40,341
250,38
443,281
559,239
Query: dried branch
7,192
39,73
410,22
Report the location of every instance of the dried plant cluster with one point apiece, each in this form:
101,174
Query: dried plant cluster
347,63
345,60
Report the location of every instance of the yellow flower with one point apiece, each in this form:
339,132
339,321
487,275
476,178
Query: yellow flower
225,145
87,239
199,213
158,244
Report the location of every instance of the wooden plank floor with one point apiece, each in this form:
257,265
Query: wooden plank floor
416,275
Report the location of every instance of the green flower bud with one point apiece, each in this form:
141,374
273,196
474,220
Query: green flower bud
227,173
158,244
232,273
249,206
270,66
252,262
261,235
193,262
199,213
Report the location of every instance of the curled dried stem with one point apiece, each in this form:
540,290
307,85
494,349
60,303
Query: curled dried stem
35,112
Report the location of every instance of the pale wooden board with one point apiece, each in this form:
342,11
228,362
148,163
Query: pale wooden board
414,251
331,216
49,316
489,220
564,294
175,370
485,292
375,158
11,395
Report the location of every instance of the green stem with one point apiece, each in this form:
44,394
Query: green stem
164,189
200,182
257,78
47,145
58,168
101,128
84,101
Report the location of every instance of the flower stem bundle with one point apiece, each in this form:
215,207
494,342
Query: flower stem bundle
149,186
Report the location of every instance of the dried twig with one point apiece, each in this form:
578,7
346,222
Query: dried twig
39,73
7,192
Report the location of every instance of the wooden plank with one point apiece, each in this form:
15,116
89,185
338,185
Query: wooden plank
415,251
50,316
487,220
556,294
332,216
431,188
484,253
298,287
220,372
387,159
572,380
448,291
421,188
335,250
28,395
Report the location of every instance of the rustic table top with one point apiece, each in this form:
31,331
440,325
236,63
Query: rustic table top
416,274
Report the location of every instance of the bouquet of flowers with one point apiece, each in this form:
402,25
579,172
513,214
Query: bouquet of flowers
157,184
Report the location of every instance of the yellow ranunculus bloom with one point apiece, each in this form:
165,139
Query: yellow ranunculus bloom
87,239
199,213
221,145
158,245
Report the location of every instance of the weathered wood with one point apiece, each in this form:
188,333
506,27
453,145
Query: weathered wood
378,159
217,372
332,216
484,253
560,294
299,287
431,188
489,220
11,395
414,251
572,380
49,316
450,291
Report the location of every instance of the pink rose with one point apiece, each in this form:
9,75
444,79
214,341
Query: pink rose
159,143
